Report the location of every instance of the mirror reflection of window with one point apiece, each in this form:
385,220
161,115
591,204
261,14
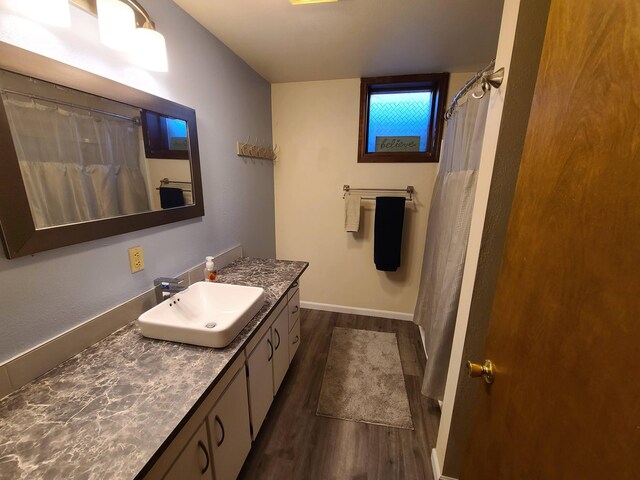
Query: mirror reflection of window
165,137
177,134
166,145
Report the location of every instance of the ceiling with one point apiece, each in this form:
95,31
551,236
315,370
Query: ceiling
353,38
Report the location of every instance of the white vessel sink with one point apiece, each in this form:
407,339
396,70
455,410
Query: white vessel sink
206,314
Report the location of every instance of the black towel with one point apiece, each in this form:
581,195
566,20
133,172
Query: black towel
388,233
171,197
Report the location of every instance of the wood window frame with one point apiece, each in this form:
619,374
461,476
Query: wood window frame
436,82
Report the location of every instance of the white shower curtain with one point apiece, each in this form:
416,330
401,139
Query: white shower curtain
447,237
76,166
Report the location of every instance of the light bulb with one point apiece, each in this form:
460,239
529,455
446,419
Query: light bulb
150,50
117,24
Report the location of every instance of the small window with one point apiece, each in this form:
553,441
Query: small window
401,118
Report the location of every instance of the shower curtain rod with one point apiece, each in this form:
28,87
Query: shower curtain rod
135,120
488,78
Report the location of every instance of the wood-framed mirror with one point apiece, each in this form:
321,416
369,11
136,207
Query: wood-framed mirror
84,157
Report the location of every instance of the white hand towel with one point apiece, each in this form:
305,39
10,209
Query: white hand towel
352,213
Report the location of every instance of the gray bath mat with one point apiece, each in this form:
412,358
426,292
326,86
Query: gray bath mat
363,379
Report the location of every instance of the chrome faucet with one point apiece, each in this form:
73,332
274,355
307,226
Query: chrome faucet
166,287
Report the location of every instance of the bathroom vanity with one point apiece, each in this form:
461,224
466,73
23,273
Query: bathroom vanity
132,407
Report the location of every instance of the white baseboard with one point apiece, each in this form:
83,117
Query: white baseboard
435,466
357,311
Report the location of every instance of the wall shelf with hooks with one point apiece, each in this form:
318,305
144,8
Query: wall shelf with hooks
256,151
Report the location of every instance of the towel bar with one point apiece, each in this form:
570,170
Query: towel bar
165,182
407,192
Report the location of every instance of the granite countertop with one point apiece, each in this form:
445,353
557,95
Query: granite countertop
106,412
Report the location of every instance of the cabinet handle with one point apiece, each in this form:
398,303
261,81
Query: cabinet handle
295,284
219,422
270,346
206,455
295,310
296,340
278,334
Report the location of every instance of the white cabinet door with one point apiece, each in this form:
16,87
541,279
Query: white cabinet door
280,338
229,429
294,340
294,309
194,463
260,381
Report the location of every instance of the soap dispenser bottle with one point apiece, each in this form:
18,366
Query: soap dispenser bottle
209,270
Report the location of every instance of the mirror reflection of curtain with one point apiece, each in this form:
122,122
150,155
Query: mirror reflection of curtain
447,238
76,166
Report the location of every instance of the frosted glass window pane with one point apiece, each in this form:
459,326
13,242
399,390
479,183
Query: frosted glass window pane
176,134
405,115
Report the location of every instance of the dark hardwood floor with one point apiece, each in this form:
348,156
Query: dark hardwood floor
294,443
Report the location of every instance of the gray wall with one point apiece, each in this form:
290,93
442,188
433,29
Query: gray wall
51,292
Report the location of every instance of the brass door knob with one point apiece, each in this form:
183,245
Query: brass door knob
487,370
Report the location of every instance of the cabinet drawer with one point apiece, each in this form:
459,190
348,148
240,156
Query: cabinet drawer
294,340
294,309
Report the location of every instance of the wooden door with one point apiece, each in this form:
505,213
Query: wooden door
229,429
260,362
194,462
565,326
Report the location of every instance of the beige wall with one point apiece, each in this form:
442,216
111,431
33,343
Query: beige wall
315,125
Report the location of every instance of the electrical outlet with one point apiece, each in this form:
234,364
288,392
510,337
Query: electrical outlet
136,260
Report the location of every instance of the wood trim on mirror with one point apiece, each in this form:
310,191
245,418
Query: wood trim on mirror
19,236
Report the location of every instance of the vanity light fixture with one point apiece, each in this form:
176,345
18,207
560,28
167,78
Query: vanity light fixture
305,2
52,12
117,23
123,32
149,44
125,25
150,49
